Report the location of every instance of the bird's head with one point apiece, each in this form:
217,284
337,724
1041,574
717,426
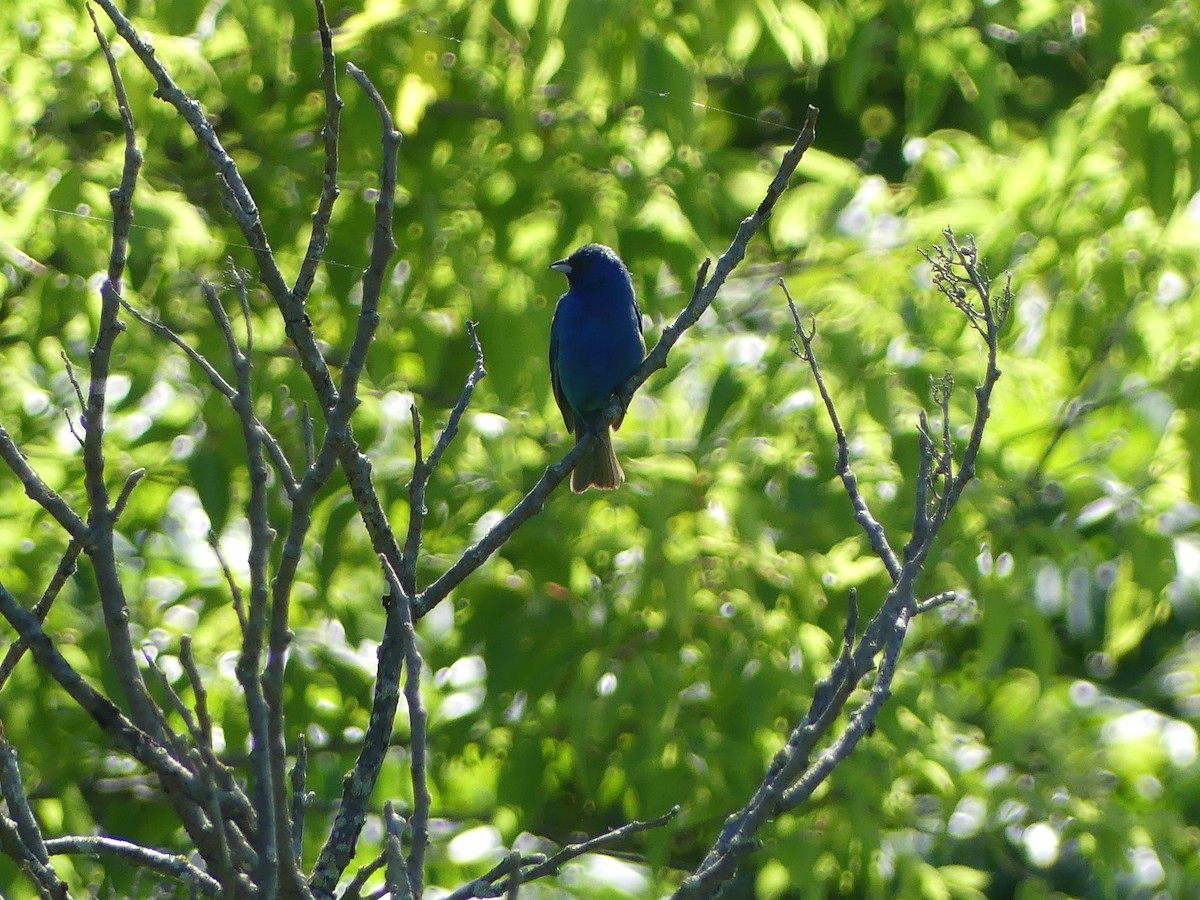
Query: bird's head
594,266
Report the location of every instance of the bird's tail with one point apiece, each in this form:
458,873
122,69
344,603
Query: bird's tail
598,467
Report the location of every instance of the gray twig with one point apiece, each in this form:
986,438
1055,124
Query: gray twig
66,568
301,798
235,591
329,183
212,770
862,512
938,600
418,726
503,879
45,879
338,849
353,890
793,775
423,467
145,857
396,875
12,788
144,748
42,494
101,519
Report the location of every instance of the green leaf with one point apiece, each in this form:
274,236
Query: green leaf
209,474
727,390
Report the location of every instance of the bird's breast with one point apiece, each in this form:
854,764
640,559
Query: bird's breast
599,346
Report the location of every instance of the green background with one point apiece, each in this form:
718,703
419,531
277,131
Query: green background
629,651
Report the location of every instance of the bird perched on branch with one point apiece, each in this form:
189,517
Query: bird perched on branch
595,344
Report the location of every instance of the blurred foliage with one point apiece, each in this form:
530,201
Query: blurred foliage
629,651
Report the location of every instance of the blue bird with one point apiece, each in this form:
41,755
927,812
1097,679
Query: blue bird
595,344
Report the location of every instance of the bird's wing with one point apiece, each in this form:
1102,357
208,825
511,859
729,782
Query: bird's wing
559,398
637,316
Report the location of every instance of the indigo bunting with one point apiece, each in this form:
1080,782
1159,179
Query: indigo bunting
595,344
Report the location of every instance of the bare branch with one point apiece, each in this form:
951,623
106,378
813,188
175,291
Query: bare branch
938,600
503,880
479,552
358,882
45,879
235,592
955,268
241,202
135,854
706,291
66,568
12,788
273,846
41,494
101,519
301,798
396,875
278,458
173,737
41,609
212,770
290,304
329,184
861,723
423,468
862,512
383,243
791,778
418,725
75,385
339,847
111,720
215,378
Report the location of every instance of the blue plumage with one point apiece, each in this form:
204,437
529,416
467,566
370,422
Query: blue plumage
595,344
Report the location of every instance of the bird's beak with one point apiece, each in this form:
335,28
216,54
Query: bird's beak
561,266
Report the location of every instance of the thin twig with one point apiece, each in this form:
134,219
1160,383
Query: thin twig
101,517
353,890
418,726
301,798
500,879
106,714
329,183
43,876
213,770
12,788
235,591
396,876
339,847
862,511
791,778
276,860
145,857
938,600
41,609
41,493
423,467
274,835
173,737
861,723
